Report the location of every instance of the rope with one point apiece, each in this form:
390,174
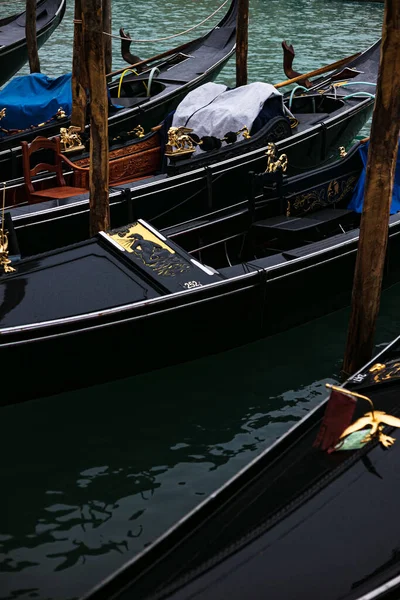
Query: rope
169,37
359,95
121,78
297,87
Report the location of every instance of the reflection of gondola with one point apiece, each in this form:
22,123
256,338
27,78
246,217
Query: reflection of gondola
13,46
316,512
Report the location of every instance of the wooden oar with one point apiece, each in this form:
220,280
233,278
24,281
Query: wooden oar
331,67
153,58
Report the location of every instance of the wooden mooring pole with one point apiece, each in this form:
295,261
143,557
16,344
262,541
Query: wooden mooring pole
242,27
79,74
31,39
107,26
93,48
380,172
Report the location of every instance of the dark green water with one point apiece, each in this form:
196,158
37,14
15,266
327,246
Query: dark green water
90,478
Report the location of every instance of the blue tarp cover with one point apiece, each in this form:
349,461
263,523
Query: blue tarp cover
357,200
33,99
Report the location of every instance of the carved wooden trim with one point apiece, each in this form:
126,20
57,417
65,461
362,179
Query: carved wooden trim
127,168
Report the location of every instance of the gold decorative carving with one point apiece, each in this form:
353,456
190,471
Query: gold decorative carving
134,147
60,114
139,131
342,152
334,193
4,260
70,139
273,162
126,168
150,250
385,372
377,367
245,132
2,113
179,142
375,419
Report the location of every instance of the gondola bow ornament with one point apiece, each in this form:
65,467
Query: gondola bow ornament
4,259
338,433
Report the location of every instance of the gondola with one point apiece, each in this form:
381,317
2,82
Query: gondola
144,98
313,516
142,185
13,46
191,290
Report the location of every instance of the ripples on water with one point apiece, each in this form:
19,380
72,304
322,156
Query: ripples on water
90,478
322,31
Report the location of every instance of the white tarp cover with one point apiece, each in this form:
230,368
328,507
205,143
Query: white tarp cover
213,109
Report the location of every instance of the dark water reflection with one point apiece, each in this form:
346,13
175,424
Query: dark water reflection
90,478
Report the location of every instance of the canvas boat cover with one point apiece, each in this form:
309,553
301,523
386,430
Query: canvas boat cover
213,109
33,99
357,200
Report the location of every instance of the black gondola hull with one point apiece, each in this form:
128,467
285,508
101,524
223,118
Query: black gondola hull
174,81
218,316
14,55
328,518
167,200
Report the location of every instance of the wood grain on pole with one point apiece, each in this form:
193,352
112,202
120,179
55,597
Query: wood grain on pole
92,31
374,229
31,39
107,28
79,75
242,42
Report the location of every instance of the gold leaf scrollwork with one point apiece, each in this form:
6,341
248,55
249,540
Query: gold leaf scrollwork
384,372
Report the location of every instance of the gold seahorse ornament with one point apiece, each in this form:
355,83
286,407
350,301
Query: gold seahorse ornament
274,163
4,260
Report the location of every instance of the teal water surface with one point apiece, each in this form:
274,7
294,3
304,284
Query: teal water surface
321,31
90,478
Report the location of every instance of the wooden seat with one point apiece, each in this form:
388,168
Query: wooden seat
45,146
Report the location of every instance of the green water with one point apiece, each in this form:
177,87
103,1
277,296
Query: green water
321,31
90,478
